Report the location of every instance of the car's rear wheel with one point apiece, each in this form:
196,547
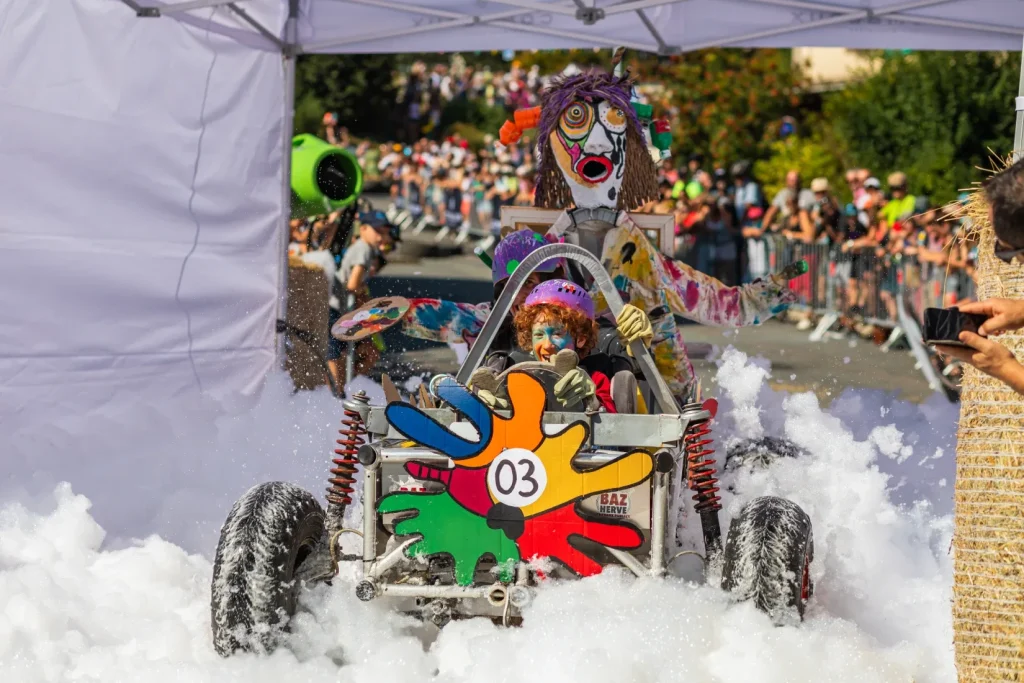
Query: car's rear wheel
768,556
270,532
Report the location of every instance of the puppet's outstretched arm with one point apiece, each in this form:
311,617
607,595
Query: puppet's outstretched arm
700,297
704,299
450,322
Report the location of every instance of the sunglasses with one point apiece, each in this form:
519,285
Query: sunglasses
1006,253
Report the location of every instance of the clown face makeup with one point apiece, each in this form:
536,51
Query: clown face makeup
589,146
550,337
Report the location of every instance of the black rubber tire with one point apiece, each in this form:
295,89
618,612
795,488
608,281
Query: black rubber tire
269,532
768,554
760,453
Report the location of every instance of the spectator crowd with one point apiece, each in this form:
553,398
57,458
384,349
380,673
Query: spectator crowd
862,251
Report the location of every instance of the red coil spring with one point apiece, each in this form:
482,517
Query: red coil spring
701,468
343,474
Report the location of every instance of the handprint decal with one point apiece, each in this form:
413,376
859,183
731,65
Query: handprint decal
513,493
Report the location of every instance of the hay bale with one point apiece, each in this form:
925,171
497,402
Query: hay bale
308,309
988,541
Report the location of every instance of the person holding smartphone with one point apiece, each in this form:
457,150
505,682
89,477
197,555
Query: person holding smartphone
1005,194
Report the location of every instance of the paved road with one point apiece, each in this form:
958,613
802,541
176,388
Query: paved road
797,363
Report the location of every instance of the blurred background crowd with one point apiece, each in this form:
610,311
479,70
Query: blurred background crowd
861,179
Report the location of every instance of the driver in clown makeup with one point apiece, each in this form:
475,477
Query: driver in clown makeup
596,167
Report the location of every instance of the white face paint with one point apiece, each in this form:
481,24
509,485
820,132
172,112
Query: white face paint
589,145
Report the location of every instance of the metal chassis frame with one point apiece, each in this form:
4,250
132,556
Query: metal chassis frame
374,568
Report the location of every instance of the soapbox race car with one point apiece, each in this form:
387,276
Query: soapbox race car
466,510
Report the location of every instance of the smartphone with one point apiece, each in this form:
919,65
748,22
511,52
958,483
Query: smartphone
944,325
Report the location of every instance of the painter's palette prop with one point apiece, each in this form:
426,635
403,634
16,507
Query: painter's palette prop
371,318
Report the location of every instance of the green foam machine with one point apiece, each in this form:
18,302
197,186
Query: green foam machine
325,178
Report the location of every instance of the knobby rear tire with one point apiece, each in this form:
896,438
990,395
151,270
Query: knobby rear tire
268,534
767,560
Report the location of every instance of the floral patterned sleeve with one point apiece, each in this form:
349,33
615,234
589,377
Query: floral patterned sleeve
450,322
631,258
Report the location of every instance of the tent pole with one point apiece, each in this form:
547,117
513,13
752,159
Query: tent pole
1018,134
288,54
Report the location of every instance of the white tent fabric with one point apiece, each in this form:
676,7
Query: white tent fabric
140,207
144,176
658,25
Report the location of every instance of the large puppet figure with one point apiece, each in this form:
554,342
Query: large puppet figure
595,165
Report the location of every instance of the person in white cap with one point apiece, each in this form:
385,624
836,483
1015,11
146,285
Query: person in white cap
871,199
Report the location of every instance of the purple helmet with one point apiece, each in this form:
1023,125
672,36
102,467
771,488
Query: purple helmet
511,251
562,293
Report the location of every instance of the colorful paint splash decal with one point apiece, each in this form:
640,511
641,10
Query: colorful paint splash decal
654,281
513,493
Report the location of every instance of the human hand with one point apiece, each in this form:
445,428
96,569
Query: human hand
633,324
990,357
575,386
1004,315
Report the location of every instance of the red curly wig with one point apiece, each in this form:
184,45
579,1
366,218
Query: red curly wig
577,324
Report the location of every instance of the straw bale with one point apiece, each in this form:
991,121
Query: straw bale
308,309
988,540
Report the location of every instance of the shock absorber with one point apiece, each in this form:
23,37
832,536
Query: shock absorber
343,473
703,478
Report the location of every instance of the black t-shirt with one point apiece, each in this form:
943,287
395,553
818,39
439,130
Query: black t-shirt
413,190
453,200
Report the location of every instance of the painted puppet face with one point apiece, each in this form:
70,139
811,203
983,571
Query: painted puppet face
589,145
550,337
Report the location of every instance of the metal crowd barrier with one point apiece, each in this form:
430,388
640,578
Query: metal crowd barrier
890,292
861,282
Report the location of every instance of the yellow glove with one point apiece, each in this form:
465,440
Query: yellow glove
483,379
574,386
633,324
492,401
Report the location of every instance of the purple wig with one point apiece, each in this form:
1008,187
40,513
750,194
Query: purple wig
591,86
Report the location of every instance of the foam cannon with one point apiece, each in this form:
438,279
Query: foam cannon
325,178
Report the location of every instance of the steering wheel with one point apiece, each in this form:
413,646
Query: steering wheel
548,374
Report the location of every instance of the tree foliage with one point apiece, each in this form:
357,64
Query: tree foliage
812,157
553,61
726,103
932,115
360,88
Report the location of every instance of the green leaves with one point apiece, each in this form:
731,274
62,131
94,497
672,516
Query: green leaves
449,528
812,156
358,87
730,101
932,115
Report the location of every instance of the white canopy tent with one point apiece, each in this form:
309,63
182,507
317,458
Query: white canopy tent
144,184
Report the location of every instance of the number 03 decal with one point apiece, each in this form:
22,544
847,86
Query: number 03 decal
516,477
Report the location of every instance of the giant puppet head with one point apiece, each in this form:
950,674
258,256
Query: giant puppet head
592,147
